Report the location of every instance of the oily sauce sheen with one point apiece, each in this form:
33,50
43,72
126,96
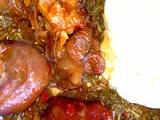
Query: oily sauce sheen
67,35
24,73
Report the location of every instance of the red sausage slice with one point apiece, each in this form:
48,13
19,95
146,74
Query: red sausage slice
79,44
24,73
94,63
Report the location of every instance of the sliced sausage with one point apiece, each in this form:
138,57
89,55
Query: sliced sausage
78,45
94,64
24,73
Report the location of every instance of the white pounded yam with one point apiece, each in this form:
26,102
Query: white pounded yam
135,32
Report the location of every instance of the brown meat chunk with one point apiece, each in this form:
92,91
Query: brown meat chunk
24,73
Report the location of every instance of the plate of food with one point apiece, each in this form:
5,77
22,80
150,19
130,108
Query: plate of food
79,60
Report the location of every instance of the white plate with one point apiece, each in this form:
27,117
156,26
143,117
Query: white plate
135,32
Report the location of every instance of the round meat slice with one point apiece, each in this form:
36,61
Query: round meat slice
24,73
94,64
78,45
